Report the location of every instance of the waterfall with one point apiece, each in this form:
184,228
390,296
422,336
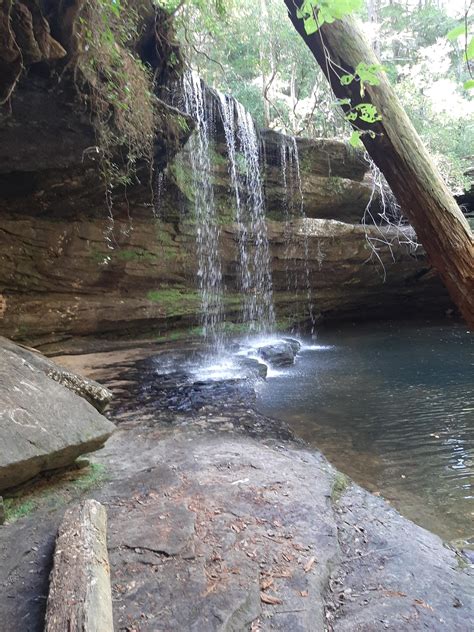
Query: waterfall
291,276
246,179
205,212
292,182
228,121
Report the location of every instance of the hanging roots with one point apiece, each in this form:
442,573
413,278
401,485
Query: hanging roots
118,88
391,227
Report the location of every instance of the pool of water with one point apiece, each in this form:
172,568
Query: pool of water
392,406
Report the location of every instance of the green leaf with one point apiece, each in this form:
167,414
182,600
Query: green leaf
354,140
115,7
347,79
343,102
317,12
368,113
351,116
368,73
469,54
310,25
456,32
469,84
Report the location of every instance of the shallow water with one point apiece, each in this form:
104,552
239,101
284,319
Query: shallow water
391,405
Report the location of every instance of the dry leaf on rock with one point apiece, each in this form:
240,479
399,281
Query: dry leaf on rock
270,599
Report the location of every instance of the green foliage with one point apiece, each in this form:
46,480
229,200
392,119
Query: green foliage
175,301
315,13
355,139
340,483
456,32
469,52
53,489
463,30
118,87
254,54
367,112
365,74
16,508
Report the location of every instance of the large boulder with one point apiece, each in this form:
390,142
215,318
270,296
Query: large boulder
281,352
44,424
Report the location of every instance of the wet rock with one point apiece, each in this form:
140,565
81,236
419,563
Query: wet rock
43,425
280,353
469,555
253,367
294,344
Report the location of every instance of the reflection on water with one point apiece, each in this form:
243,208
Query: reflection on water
391,405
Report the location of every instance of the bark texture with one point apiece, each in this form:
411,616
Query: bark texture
80,597
401,156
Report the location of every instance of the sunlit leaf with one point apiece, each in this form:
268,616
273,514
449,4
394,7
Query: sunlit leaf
368,73
347,79
354,140
456,32
469,54
469,84
368,113
310,25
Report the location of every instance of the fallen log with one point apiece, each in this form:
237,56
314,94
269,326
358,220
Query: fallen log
395,147
80,598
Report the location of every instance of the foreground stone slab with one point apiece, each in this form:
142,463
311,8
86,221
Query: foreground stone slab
90,390
43,424
80,598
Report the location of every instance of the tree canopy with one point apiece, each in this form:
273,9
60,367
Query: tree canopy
249,49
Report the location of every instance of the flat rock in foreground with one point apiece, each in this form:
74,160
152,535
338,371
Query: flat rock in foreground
43,424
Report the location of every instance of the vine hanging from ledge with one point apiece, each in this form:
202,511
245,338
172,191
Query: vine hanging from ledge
118,87
314,14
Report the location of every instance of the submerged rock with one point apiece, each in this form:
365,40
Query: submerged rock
253,367
43,424
294,344
281,352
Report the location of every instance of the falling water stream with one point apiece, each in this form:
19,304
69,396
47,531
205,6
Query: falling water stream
246,180
207,226
261,316
294,210
244,166
228,112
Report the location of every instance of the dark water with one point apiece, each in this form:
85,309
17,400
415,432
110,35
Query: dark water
391,405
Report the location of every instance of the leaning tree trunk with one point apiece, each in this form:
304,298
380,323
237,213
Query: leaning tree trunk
401,156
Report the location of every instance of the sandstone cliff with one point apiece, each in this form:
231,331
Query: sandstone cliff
73,265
